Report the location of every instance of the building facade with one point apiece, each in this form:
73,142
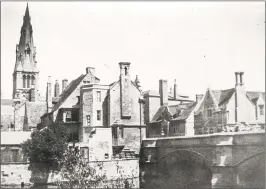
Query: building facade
168,114
224,110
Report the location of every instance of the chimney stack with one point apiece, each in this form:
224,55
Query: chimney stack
237,76
49,94
241,78
163,90
90,69
199,97
64,84
56,89
175,90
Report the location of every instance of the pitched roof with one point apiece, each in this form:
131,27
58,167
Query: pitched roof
254,95
68,91
177,112
222,96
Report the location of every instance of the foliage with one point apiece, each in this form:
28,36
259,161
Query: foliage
46,147
76,172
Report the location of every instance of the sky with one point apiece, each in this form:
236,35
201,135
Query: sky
200,44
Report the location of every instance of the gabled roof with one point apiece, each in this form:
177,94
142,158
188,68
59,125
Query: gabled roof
176,112
254,95
68,91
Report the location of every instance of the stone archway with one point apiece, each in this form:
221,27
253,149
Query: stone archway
183,169
250,173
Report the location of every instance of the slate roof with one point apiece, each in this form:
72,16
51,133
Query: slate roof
254,95
68,91
178,112
223,96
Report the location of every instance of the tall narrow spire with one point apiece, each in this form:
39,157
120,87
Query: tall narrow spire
26,72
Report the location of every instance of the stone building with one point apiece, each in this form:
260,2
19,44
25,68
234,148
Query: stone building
168,114
104,119
224,110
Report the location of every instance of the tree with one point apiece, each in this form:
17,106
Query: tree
46,148
47,151
77,172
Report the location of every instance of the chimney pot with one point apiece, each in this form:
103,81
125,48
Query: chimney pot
90,69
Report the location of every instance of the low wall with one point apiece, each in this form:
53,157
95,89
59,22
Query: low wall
126,169
14,174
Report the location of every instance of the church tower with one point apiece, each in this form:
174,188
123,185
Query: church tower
26,74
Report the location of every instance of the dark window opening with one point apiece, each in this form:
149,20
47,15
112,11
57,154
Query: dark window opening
98,115
28,81
32,80
71,115
126,70
88,120
24,81
261,110
114,132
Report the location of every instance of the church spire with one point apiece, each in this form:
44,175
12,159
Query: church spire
25,71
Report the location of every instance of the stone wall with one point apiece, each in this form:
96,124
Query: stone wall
14,174
231,158
115,170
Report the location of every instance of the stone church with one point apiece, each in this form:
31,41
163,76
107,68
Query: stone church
23,111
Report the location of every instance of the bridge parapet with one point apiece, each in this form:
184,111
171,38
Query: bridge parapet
223,153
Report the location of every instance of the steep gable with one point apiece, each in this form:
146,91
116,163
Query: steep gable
68,91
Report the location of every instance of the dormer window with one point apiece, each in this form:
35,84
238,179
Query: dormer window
261,110
71,115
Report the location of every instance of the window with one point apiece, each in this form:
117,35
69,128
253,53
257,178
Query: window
68,116
209,113
261,110
98,115
98,96
24,81
121,129
114,132
88,120
71,115
15,155
28,81
32,80
85,152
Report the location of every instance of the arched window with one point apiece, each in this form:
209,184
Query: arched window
32,80
28,81
24,81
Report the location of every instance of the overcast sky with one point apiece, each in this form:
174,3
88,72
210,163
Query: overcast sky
200,44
